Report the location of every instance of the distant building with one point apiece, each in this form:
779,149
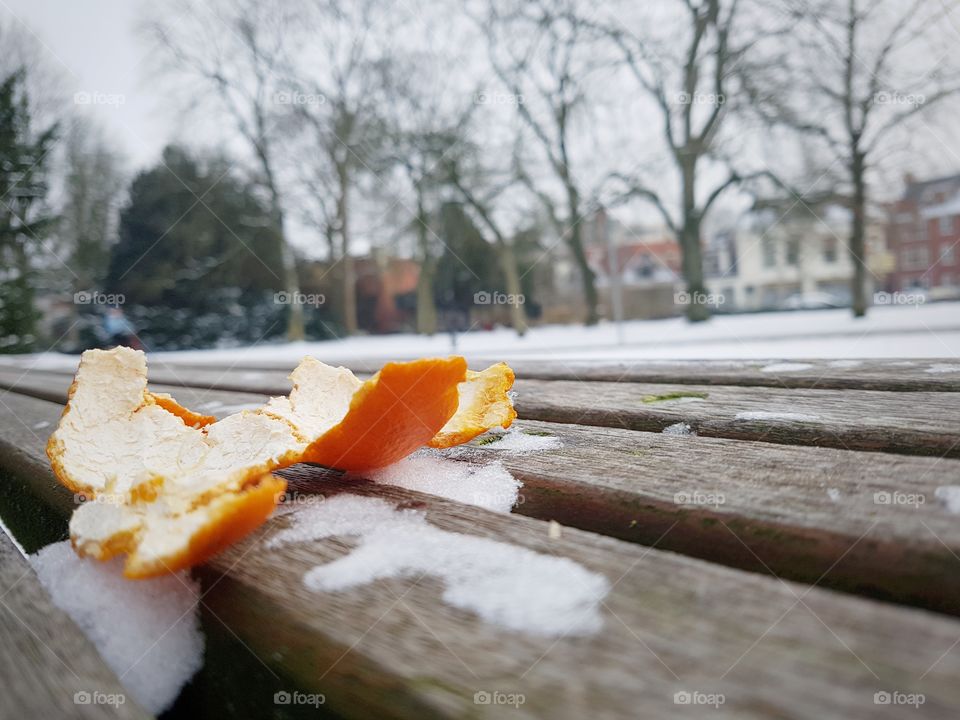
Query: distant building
647,259
924,235
787,252
385,291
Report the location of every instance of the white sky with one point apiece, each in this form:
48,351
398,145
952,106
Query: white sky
95,44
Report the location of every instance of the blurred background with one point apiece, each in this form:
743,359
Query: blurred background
673,178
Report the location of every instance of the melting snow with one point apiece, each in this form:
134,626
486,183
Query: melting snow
488,486
502,583
833,494
679,428
950,496
786,367
516,441
759,415
147,631
845,363
943,368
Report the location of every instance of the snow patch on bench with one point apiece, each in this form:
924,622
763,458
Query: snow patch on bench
518,442
949,495
760,415
502,583
488,486
786,367
680,428
147,631
942,368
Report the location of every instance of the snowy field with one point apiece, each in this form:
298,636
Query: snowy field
926,331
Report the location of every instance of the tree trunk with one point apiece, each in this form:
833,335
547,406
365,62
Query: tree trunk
347,274
291,281
426,307
508,263
858,287
575,242
696,308
295,325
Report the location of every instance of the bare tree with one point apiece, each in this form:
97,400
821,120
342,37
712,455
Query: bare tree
334,85
93,183
541,53
481,188
692,81
855,74
234,49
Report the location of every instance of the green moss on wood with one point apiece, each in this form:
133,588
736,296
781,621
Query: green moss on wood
677,395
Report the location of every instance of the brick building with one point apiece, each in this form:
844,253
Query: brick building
924,235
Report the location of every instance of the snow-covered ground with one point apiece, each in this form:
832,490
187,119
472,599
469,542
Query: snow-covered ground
926,331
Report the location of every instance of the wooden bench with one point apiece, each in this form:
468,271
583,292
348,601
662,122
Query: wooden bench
824,570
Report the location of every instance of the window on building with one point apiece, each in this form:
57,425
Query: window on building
793,250
946,226
769,252
914,258
830,250
948,253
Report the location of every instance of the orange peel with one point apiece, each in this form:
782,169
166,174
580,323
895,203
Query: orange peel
171,487
484,403
189,417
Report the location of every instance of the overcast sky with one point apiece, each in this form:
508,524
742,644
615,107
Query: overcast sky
94,43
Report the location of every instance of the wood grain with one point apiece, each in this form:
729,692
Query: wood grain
896,375
671,624
872,519
46,663
890,375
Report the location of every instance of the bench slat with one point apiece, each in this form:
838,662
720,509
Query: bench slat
896,375
671,624
891,374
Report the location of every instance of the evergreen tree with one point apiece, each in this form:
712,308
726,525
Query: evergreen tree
24,218
467,266
197,258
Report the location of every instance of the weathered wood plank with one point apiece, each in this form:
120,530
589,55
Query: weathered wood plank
917,423
47,667
891,375
894,375
671,624
793,511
